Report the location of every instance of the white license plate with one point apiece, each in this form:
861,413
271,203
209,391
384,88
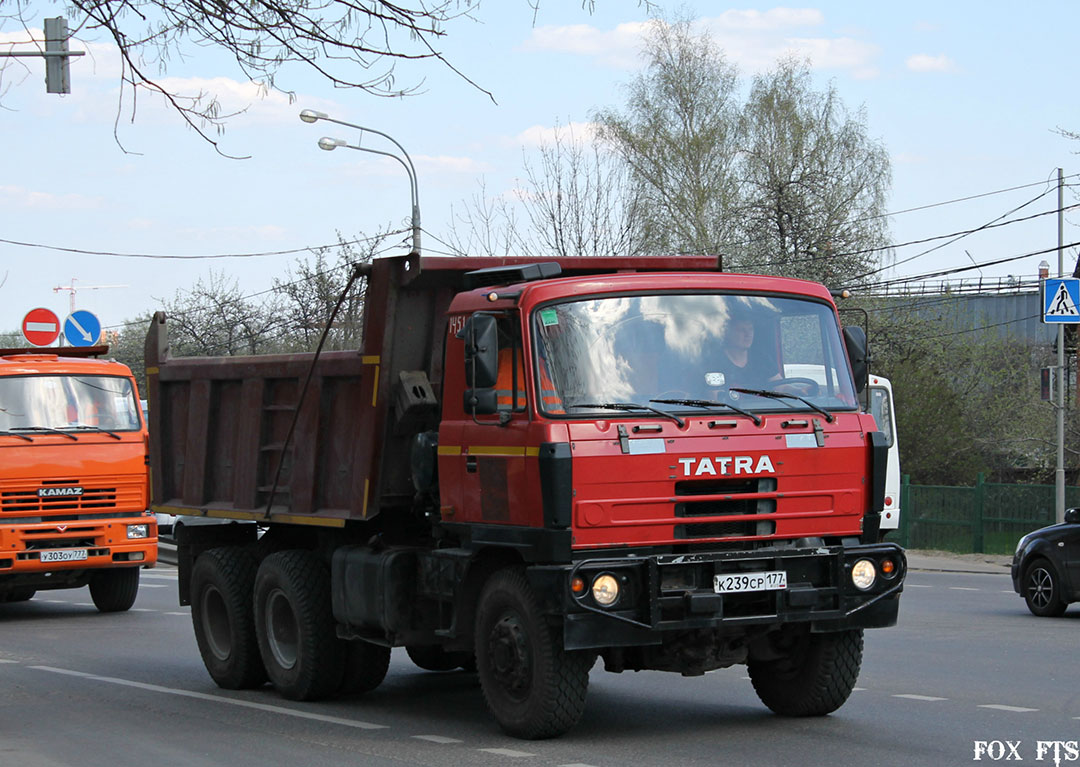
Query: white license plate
735,583
64,555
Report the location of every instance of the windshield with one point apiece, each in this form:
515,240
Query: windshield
68,402
700,347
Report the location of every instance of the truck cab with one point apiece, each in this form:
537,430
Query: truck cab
73,477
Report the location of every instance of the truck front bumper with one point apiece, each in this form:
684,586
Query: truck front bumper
661,594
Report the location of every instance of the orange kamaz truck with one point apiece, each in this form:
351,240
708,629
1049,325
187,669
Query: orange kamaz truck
73,477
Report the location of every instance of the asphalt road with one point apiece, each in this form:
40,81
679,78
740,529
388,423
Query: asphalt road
967,663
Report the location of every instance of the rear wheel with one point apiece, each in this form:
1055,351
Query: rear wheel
1042,590
294,623
114,590
815,674
533,687
222,614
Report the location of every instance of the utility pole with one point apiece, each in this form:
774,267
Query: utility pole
1059,475
56,55
72,289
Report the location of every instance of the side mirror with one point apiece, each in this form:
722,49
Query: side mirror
855,341
481,351
1072,516
481,401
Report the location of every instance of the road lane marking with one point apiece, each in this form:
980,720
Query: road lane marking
153,586
215,698
917,586
441,740
177,613
4,660
1013,709
577,764
962,588
928,698
142,610
506,752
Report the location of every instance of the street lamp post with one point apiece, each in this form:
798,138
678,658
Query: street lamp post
329,144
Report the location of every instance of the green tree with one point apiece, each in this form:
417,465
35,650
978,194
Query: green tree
679,135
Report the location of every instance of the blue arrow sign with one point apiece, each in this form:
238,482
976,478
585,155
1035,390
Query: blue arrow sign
82,328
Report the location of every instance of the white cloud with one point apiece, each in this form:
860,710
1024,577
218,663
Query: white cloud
540,135
28,198
924,62
752,39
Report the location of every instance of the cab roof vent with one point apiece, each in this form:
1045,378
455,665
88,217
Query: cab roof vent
508,275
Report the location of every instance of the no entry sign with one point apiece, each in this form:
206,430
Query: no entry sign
41,326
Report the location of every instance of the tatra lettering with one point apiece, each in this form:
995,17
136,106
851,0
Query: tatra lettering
727,464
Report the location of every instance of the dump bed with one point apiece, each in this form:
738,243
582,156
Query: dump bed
231,436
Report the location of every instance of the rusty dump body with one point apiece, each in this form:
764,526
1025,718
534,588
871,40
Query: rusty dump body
73,471
527,453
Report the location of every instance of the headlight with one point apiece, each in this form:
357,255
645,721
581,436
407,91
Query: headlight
138,531
605,590
863,574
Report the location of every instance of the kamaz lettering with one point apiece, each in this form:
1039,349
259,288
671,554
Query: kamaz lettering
727,464
59,492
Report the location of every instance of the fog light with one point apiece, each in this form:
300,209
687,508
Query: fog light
605,590
863,574
138,531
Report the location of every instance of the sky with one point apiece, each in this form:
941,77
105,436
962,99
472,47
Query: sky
965,96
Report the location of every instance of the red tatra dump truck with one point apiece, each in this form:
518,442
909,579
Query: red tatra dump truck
73,477
530,466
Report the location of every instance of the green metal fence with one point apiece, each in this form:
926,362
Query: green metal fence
986,518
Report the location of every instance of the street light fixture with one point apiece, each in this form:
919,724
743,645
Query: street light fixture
329,144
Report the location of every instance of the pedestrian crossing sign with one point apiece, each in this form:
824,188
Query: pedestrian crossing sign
1061,300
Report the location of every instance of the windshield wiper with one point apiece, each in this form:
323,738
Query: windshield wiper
16,434
784,395
84,427
630,406
710,405
47,429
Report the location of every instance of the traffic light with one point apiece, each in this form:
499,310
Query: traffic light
1046,382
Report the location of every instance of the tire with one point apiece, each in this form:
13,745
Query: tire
814,678
1042,590
435,658
18,595
294,624
223,616
114,591
532,687
365,667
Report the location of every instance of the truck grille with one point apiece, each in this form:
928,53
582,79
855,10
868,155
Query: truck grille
27,500
740,529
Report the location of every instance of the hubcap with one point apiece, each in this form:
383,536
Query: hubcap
215,618
511,660
282,629
1040,587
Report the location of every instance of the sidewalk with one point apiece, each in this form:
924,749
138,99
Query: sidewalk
947,562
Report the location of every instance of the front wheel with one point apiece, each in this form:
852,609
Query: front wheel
114,591
1042,590
532,687
814,675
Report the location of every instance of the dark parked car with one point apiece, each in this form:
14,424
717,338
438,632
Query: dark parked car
1046,567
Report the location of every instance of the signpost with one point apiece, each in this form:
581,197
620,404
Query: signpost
82,328
41,326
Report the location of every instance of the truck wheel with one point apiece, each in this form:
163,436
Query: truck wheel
223,616
18,595
532,687
434,658
816,675
365,667
294,624
114,591
1042,590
